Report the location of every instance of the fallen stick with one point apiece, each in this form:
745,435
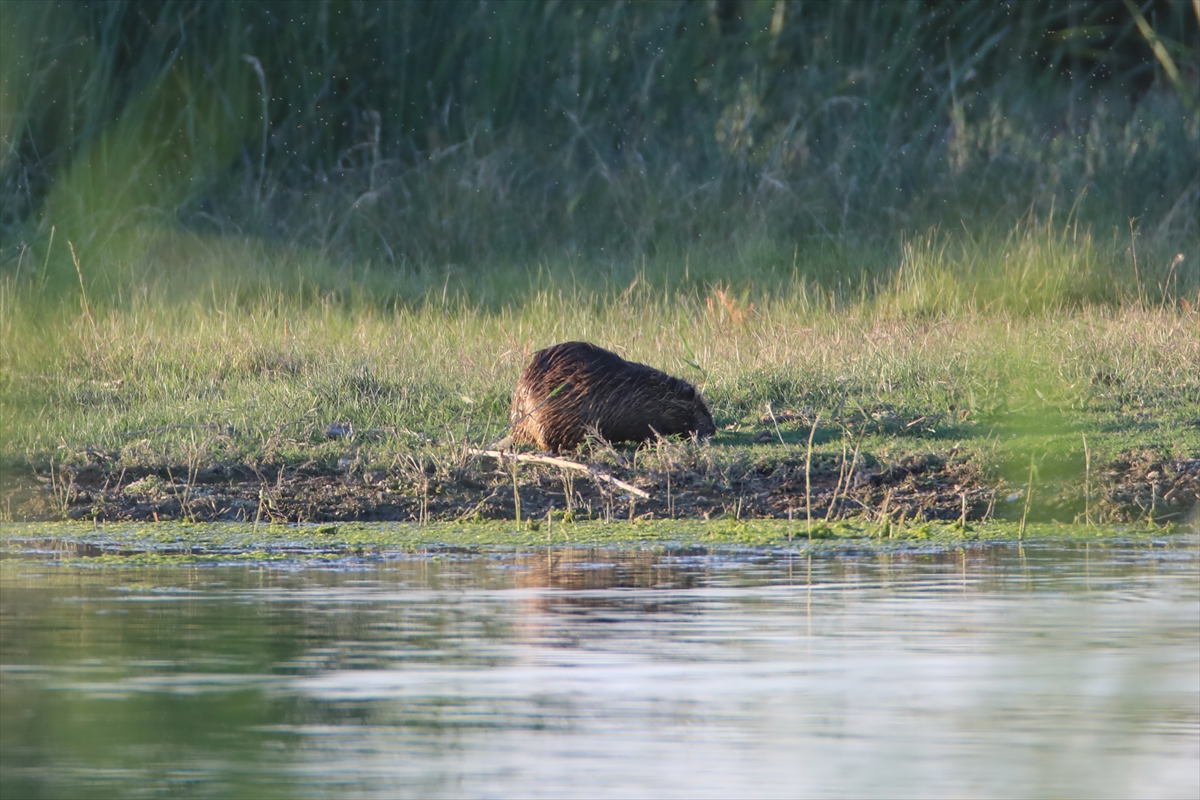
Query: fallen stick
565,464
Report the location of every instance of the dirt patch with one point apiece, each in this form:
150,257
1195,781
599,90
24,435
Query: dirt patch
916,488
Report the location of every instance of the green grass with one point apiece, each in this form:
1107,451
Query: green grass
993,351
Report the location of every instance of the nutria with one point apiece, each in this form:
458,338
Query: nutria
571,387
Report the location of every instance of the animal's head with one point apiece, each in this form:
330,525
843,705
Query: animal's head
694,412
705,427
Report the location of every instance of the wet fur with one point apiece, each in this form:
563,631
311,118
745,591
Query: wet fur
622,400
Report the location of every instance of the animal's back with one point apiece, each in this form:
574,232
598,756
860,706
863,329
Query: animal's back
571,387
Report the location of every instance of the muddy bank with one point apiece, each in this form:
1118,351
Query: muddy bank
916,488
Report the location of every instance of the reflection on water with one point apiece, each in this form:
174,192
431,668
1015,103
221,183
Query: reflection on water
1057,670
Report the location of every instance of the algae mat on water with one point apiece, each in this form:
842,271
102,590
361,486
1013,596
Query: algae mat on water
183,543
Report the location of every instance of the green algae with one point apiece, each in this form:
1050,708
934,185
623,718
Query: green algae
169,543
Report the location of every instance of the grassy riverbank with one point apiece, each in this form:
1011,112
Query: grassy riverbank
926,260
951,375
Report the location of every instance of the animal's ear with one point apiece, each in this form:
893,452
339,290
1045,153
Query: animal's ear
688,393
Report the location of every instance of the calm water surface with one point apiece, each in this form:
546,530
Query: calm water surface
1052,670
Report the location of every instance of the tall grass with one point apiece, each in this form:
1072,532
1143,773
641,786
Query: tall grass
1034,266
420,139
1037,266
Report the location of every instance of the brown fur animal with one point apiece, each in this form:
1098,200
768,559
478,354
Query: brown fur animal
571,387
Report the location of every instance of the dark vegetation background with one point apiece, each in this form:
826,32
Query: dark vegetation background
411,135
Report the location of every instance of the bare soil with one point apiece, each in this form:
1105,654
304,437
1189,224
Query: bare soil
913,489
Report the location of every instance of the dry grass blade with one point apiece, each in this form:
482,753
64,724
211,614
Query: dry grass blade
808,474
1028,498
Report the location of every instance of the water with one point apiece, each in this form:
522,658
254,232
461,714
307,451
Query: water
1053,670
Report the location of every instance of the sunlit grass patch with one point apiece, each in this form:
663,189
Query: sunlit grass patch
1044,345
1036,267
177,379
